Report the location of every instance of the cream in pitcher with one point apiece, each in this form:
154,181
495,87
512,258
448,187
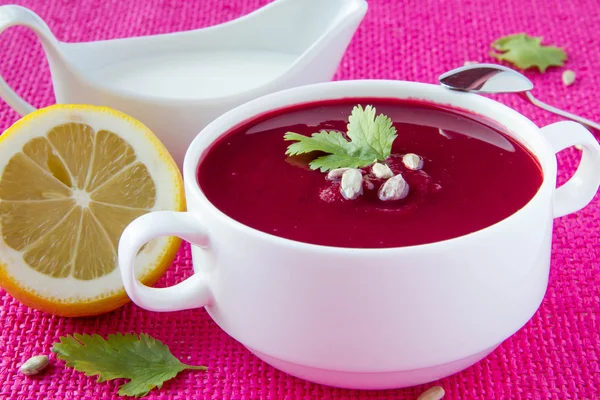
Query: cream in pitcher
177,83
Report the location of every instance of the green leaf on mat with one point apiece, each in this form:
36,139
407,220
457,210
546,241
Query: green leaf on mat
526,51
145,361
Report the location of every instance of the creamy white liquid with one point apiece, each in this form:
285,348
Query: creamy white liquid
195,75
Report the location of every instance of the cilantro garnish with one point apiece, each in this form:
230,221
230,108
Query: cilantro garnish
370,140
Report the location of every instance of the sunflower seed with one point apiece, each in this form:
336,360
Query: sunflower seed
351,186
336,174
34,365
412,161
568,77
433,393
381,171
394,188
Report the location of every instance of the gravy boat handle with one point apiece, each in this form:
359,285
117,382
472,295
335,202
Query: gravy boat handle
192,292
12,15
578,191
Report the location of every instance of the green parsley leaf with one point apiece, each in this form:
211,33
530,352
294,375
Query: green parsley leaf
368,132
147,362
370,137
526,52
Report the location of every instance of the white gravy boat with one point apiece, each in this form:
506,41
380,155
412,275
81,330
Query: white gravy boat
177,83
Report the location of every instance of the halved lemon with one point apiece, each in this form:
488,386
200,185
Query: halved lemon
72,177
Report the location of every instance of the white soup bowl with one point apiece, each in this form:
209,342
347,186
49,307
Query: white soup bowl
368,318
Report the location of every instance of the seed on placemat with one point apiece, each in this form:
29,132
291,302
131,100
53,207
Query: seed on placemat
568,77
34,365
433,393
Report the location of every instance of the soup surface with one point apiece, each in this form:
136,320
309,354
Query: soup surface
473,176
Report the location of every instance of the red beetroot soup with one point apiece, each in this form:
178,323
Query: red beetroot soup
473,176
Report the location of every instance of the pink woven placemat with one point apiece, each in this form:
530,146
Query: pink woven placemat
555,356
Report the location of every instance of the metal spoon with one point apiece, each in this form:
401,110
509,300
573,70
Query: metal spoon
492,78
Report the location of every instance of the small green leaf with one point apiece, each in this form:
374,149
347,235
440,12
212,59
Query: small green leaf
333,161
328,142
526,51
373,135
146,361
370,137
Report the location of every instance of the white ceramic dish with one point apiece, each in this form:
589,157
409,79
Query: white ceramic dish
369,318
177,83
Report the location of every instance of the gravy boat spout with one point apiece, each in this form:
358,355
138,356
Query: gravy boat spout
177,83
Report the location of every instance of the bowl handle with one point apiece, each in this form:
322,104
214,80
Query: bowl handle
12,15
578,191
192,292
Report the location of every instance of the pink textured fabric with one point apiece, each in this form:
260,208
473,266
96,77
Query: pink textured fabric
555,356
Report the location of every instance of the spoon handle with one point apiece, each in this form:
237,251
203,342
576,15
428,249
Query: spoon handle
562,113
